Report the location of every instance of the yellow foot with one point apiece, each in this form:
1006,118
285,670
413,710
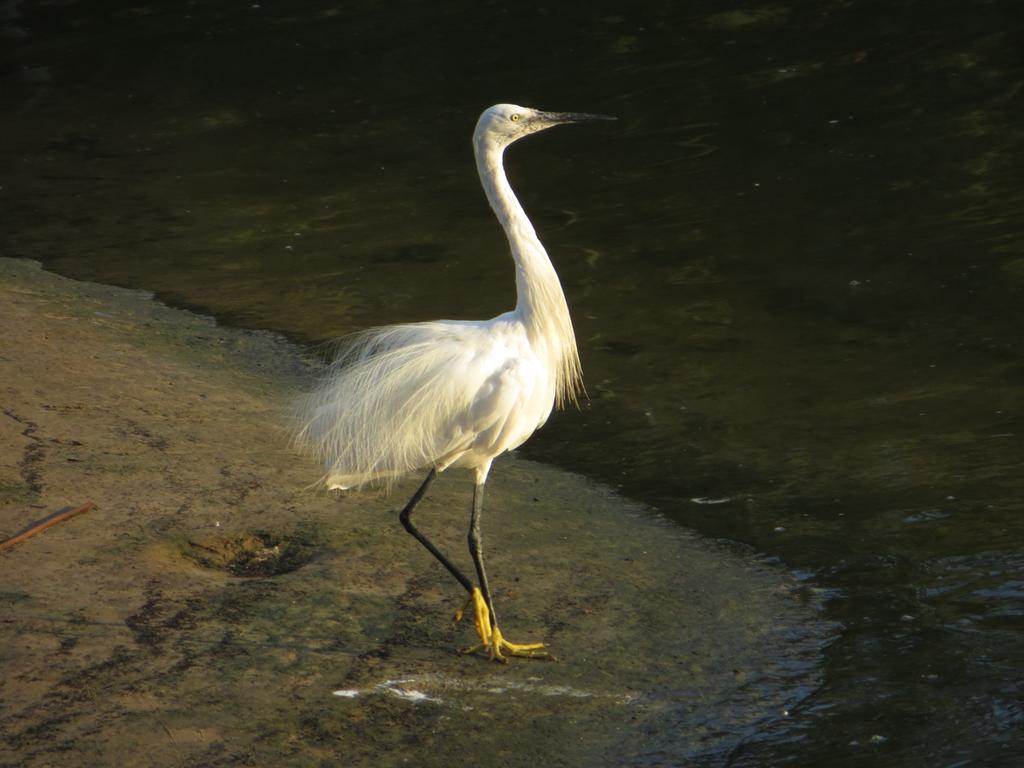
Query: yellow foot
491,640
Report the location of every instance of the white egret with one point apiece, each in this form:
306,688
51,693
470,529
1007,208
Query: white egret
454,393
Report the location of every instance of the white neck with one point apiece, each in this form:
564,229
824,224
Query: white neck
540,302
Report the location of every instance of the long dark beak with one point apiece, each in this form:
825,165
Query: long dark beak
574,117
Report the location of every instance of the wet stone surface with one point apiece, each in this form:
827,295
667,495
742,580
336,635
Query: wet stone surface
213,610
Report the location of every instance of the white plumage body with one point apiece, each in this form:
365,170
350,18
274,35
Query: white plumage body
443,394
453,393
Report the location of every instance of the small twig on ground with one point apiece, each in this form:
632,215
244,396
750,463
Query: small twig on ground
43,523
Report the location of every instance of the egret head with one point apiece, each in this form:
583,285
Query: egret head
504,123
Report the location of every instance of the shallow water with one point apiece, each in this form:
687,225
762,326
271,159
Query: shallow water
796,267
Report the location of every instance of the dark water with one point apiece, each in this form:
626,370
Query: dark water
796,266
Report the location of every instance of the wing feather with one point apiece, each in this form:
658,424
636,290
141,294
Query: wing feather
398,399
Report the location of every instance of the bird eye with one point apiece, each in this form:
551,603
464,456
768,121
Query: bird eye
514,118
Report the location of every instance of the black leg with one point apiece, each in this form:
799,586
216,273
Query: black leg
476,548
406,518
